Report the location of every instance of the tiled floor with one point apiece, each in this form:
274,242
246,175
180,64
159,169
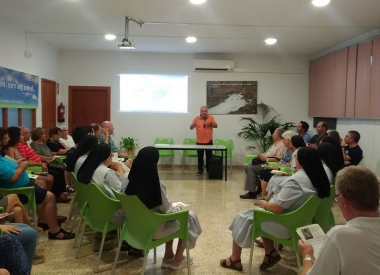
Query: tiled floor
215,202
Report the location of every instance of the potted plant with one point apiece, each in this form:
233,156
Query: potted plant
129,145
260,128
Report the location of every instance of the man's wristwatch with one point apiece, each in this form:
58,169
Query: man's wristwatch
308,259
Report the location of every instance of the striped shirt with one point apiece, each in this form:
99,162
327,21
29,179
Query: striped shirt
26,151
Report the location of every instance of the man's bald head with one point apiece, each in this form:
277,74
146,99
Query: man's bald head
109,126
25,132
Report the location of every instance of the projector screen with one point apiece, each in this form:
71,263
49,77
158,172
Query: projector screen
153,93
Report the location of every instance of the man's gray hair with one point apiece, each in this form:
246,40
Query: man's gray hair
359,186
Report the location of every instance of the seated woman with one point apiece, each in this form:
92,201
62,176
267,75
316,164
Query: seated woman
80,154
143,181
329,155
95,169
24,233
62,183
12,204
66,140
14,259
265,175
15,138
53,143
336,143
296,142
309,180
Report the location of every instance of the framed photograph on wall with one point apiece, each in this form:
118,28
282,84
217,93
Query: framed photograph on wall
231,97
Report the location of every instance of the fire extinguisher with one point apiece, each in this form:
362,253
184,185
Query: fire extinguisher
61,113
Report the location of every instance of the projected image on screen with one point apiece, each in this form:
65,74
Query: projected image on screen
153,93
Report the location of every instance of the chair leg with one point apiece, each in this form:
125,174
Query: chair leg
100,252
35,220
250,257
71,214
75,219
116,257
144,262
80,242
183,162
77,233
188,258
154,256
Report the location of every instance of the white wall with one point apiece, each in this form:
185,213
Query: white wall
283,84
44,62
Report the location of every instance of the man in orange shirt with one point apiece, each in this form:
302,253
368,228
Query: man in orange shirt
204,125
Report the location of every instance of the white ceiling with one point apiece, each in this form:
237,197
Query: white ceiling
221,26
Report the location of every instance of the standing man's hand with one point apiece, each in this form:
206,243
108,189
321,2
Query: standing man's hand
192,126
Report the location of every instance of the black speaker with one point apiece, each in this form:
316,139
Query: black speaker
215,168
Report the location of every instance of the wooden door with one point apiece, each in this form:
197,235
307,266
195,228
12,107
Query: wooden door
49,104
88,105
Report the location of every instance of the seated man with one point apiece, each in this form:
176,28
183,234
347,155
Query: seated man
275,153
302,129
352,153
13,175
353,248
321,128
108,126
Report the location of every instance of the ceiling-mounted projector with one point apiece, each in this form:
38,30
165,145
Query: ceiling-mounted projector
126,45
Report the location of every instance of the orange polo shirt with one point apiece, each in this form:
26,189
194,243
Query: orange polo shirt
204,134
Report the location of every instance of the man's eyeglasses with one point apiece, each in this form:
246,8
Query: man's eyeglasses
336,197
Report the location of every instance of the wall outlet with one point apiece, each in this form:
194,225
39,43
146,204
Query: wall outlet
28,54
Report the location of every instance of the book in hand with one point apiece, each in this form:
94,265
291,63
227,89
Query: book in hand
312,234
3,217
266,166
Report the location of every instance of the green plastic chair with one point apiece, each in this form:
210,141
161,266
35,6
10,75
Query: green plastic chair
324,216
165,153
77,205
229,143
27,191
188,153
141,223
35,168
98,211
298,218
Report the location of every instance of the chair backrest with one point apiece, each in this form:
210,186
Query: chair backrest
141,223
190,153
26,191
227,143
165,153
80,195
300,217
324,216
249,158
100,208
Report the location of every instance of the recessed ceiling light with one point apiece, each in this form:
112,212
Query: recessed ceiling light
270,41
320,3
197,2
110,37
191,39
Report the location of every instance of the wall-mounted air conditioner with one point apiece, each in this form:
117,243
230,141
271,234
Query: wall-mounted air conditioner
214,65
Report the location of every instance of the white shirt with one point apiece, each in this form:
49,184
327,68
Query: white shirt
329,174
69,142
351,249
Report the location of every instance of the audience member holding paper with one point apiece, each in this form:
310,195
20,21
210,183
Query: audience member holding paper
310,180
353,248
143,181
268,183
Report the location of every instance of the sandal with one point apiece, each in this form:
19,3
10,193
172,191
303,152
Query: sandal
232,265
66,235
69,189
272,260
